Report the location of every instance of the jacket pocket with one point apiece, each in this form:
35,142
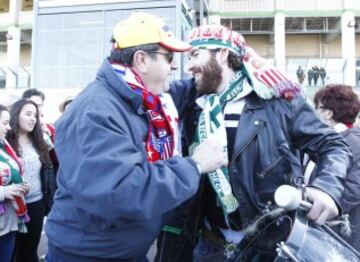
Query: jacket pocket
275,175
268,170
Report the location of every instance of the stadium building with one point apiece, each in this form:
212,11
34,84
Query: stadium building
59,44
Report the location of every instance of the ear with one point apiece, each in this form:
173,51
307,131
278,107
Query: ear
141,62
222,56
329,114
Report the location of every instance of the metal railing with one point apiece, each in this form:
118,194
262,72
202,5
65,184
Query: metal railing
15,76
271,5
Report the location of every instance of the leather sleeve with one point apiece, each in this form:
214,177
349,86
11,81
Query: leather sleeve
326,148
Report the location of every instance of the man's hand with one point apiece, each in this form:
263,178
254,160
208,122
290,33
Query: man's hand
323,207
15,190
210,155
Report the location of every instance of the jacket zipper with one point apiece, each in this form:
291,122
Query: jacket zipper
230,171
269,169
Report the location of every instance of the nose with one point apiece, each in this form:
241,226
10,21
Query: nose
190,64
8,128
33,118
173,65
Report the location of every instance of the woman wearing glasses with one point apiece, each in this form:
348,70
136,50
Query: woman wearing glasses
338,106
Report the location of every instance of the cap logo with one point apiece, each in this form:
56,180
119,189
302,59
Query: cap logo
166,28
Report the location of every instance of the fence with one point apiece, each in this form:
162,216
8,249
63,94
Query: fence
15,76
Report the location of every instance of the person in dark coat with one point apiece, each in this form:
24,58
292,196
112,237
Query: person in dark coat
310,74
339,106
316,74
262,118
300,75
322,75
120,164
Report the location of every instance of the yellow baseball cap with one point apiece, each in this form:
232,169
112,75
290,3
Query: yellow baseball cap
144,28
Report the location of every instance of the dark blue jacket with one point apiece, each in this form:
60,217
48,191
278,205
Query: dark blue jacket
111,203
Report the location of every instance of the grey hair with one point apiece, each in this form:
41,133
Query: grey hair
126,55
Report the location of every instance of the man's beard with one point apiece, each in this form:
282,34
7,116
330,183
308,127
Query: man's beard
211,77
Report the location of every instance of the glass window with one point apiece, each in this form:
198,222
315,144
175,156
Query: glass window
72,46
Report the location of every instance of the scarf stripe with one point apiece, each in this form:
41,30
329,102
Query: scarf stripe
162,140
18,203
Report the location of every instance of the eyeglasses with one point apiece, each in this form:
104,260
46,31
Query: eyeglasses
169,55
320,107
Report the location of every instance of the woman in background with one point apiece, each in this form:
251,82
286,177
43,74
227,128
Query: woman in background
26,137
12,190
338,106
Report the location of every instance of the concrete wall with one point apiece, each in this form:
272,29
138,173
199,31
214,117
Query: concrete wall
25,55
332,49
3,55
357,45
261,44
301,46
297,46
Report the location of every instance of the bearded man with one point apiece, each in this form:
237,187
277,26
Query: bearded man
263,120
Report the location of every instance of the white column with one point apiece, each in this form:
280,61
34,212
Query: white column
279,40
348,46
13,44
214,20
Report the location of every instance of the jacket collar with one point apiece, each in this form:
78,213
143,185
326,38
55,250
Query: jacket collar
119,86
253,101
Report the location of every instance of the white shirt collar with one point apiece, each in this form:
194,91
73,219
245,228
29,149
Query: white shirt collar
340,127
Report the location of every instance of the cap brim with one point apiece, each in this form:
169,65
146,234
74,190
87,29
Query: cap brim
62,107
65,103
175,45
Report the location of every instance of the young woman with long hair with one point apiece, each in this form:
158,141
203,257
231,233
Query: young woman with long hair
26,137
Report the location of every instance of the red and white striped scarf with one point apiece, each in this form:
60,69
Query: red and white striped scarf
162,140
19,202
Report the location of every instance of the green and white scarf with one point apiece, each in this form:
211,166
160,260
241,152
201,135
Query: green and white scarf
212,124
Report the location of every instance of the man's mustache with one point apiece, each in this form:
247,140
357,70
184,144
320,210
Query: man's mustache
195,70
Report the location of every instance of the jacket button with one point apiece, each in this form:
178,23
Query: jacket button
256,122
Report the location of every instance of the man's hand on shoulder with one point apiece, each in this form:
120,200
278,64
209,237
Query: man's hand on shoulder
323,207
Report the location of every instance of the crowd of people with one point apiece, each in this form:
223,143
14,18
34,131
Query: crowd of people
28,165
193,164
313,75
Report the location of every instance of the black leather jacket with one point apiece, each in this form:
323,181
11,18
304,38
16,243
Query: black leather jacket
269,135
351,199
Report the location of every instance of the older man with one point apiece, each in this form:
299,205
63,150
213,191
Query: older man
118,147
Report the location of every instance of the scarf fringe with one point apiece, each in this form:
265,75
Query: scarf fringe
285,89
230,204
254,228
